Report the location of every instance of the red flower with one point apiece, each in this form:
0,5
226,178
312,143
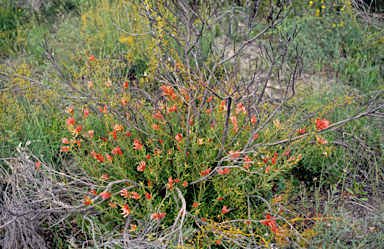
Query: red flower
179,137
162,215
148,157
248,222
195,205
137,145
185,184
79,128
70,121
218,242
155,126
64,149
87,200
155,216
220,198
157,116
267,169
256,136
274,158
135,195
125,85
128,134
286,153
117,150
141,166
205,172
204,219
322,124
105,139
93,192
149,184
105,195
161,141
91,58
91,133
126,211
65,141
148,196
270,222
172,109
224,171
225,210
86,112
302,131
210,98
177,180
124,193
170,181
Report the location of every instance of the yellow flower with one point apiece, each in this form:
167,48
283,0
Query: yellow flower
323,7
310,3
333,25
341,24
342,9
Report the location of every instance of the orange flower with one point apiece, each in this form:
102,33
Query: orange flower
210,98
155,126
322,124
105,195
224,171
38,165
112,204
90,84
65,141
233,154
87,200
253,119
270,222
86,112
141,166
170,181
225,210
104,176
179,137
91,58
185,184
137,145
70,121
247,159
133,228
126,211
218,242
208,111
91,133
64,149
321,140
103,110
69,110
256,136
195,205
